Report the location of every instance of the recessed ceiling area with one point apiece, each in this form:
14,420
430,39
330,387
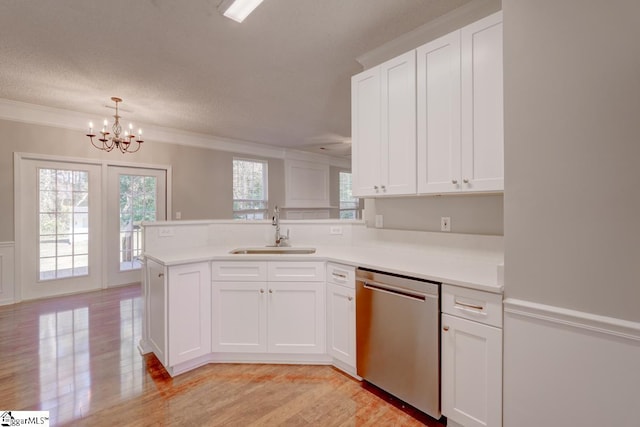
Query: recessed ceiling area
282,77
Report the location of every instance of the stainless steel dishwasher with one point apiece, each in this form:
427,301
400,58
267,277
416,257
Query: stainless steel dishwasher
398,337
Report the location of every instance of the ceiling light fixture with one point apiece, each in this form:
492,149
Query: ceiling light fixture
238,10
124,144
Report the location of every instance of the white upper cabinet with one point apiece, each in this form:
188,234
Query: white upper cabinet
383,128
482,105
431,120
365,132
460,110
438,124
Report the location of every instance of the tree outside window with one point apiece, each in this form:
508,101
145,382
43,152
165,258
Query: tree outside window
249,189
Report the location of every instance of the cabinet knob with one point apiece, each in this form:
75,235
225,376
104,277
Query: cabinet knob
160,274
375,187
384,188
454,181
350,298
445,328
262,291
270,291
466,180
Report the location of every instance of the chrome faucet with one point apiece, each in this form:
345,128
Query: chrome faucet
280,239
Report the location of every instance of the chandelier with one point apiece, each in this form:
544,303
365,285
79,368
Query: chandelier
124,143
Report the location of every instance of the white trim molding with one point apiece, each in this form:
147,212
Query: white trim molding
572,367
7,277
576,319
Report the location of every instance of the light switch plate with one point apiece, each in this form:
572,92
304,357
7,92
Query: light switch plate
445,223
335,230
379,221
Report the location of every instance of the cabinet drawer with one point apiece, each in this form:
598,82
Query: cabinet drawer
239,271
483,307
296,271
341,275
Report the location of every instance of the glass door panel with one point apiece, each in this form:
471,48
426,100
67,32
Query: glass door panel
135,195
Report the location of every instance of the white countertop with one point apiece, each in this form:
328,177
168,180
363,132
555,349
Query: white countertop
461,269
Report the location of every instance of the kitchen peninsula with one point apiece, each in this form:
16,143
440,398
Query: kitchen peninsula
204,304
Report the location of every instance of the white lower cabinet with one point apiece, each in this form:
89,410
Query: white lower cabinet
189,312
341,323
295,317
282,312
471,359
239,317
156,310
178,312
341,316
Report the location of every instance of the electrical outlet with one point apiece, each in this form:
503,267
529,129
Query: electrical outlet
165,232
178,215
445,223
335,230
379,221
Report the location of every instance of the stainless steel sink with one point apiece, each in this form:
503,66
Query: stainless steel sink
273,250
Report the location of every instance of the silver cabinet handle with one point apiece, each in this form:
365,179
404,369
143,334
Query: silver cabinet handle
445,328
270,291
340,275
262,291
454,181
160,274
473,306
466,181
350,298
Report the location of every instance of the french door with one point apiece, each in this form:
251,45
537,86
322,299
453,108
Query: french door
60,222
78,223
134,195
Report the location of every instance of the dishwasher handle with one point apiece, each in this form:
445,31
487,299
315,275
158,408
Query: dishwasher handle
381,287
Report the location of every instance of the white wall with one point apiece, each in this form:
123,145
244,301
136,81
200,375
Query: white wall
571,208
469,213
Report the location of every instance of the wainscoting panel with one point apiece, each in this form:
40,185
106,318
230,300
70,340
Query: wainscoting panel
7,285
568,368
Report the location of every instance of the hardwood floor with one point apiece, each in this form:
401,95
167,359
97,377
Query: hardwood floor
76,357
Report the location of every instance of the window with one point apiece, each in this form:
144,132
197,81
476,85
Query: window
63,217
137,204
348,204
249,189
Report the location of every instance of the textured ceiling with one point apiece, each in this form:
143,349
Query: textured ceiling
281,78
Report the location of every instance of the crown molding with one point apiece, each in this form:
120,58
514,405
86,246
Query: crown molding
457,18
66,119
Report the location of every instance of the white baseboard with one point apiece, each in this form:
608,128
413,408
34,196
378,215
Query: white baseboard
7,276
568,367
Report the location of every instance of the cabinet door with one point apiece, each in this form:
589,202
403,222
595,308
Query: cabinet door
365,132
341,323
296,317
239,317
398,125
189,301
482,105
471,372
156,310
438,116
